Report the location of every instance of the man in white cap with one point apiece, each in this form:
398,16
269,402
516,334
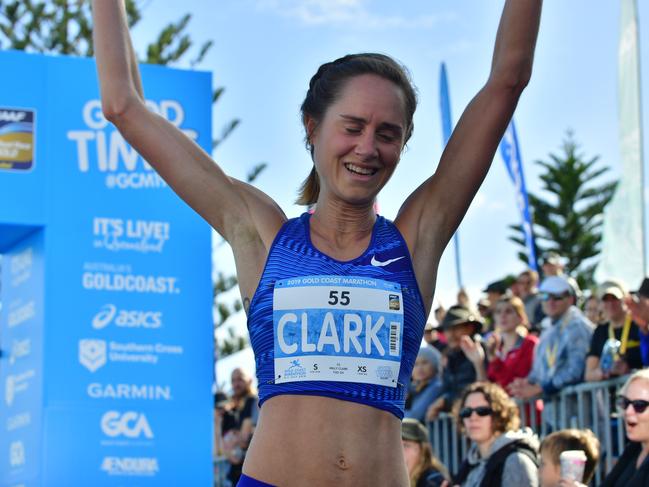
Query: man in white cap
615,347
560,356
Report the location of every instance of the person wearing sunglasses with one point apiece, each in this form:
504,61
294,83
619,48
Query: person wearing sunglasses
632,469
560,355
500,454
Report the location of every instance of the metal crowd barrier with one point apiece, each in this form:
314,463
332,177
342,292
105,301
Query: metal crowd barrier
588,405
221,468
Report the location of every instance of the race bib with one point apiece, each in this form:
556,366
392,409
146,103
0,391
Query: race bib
337,328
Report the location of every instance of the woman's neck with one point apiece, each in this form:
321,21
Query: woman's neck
336,217
643,453
485,446
509,340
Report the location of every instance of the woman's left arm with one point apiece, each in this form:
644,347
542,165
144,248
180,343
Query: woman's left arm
431,214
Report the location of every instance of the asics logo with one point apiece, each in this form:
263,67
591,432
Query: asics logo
377,263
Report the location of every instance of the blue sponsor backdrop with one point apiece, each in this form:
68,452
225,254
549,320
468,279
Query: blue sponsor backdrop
121,338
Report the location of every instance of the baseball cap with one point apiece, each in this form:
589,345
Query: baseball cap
612,287
458,315
556,285
496,287
552,258
413,430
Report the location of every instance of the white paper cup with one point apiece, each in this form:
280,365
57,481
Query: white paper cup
573,463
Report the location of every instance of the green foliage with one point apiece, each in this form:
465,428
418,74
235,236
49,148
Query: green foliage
65,27
568,219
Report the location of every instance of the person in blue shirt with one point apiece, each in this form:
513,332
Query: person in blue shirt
426,384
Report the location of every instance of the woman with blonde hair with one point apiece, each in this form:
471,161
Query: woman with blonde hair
510,349
424,469
632,469
500,453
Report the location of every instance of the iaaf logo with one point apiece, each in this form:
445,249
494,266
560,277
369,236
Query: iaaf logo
110,153
12,116
130,424
115,234
126,318
132,466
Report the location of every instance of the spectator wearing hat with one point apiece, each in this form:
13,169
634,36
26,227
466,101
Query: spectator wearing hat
552,264
528,282
619,327
424,469
638,304
494,291
433,337
425,386
460,325
560,355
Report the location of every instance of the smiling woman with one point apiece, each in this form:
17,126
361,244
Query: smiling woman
337,298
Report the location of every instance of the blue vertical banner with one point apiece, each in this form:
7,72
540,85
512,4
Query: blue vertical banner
511,154
447,129
121,334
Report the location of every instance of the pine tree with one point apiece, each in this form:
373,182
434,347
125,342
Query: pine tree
568,218
65,27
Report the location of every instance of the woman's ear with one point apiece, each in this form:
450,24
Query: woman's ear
310,126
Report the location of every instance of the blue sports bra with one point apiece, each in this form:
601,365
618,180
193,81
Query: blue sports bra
346,330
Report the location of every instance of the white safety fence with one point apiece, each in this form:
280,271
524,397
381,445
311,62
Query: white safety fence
589,405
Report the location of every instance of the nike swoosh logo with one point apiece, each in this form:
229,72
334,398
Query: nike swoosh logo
377,263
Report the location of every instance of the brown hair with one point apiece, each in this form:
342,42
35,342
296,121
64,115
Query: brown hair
533,276
573,439
325,88
505,415
426,460
518,305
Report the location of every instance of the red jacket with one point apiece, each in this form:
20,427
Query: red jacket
517,363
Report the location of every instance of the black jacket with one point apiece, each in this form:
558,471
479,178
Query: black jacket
629,456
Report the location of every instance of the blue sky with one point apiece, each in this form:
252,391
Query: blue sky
266,51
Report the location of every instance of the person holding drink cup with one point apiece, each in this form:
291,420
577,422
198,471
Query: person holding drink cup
568,458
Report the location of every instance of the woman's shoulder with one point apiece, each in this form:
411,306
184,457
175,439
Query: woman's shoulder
530,340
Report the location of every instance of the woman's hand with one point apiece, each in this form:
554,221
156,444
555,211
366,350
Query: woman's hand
493,344
472,350
434,409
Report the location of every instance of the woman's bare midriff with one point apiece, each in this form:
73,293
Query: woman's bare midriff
319,441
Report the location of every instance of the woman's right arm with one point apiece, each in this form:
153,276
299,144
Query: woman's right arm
235,209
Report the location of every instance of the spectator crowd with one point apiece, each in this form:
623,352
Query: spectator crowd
522,341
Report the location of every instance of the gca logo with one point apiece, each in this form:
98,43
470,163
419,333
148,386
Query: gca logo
129,424
92,354
126,319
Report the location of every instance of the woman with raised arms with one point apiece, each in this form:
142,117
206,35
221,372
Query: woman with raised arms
333,356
